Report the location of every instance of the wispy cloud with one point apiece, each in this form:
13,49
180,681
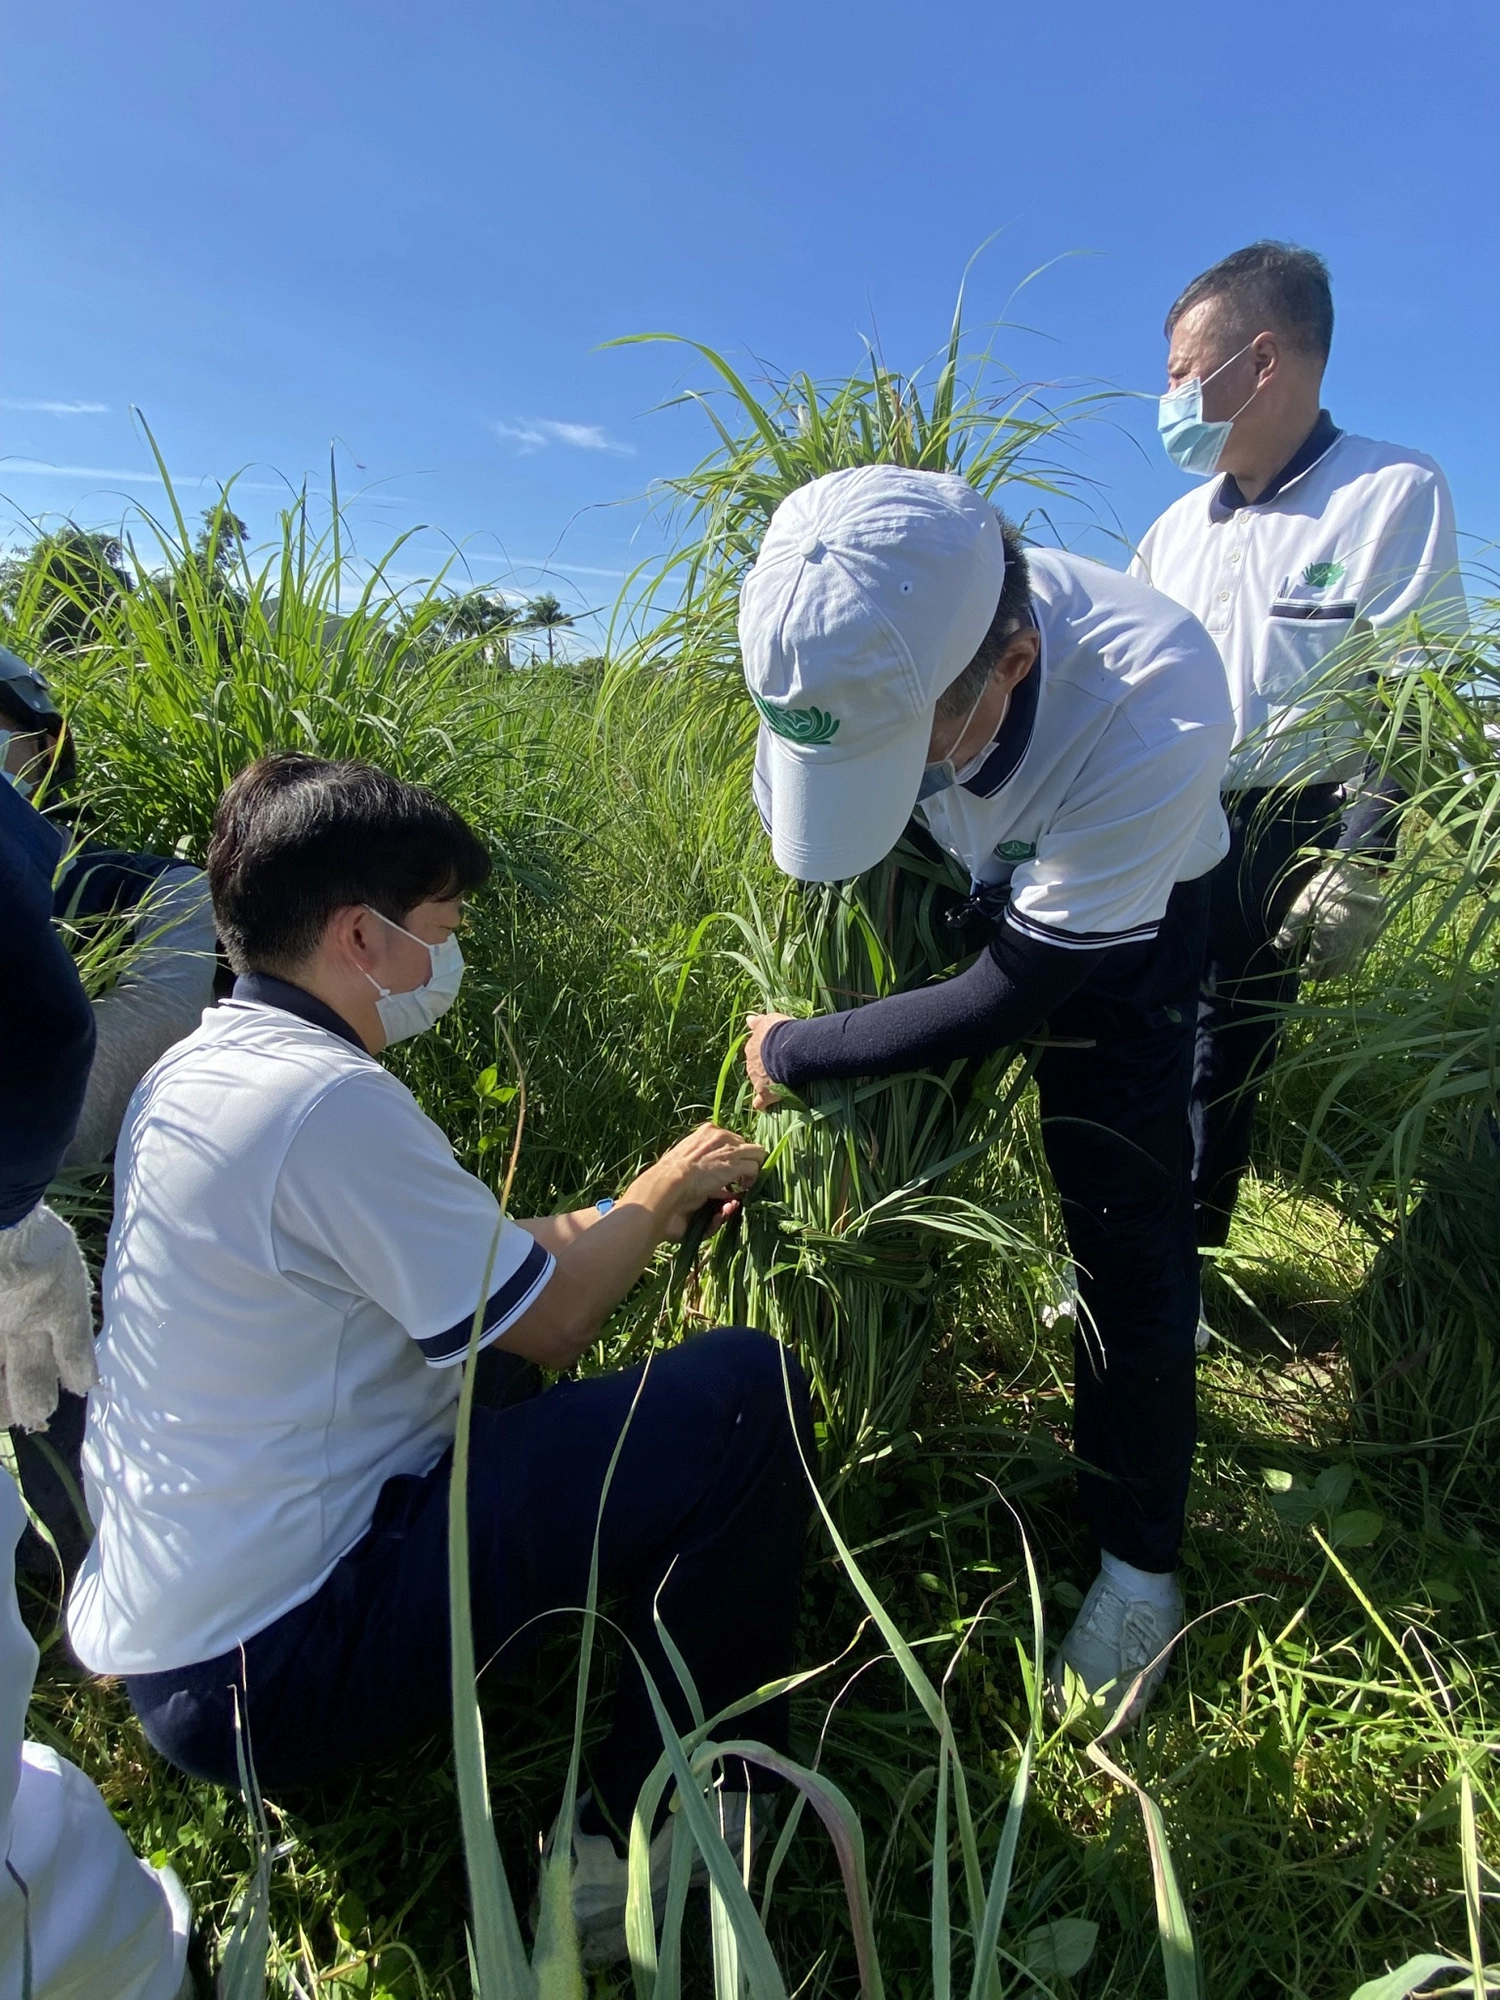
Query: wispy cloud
112,475
536,433
35,468
549,568
39,406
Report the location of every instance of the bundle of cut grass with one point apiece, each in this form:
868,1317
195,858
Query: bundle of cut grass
839,1248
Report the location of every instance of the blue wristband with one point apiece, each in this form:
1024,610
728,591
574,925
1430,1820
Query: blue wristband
606,1205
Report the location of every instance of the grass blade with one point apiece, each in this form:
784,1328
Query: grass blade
242,1968
1418,1972
499,1954
1179,1950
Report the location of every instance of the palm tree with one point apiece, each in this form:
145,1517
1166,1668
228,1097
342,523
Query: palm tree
545,614
481,614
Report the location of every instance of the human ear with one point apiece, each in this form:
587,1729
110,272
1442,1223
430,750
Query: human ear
354,933
1020,656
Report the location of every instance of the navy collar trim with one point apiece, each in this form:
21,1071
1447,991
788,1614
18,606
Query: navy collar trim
264,990
1013,739
1323,436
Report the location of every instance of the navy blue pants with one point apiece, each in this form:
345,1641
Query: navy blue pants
1245,979
1114,1111
709,1485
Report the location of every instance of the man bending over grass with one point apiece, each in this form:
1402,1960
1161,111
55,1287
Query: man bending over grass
1060,732
293,1273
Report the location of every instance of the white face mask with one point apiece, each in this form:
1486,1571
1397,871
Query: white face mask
25,786
403,1015
941,777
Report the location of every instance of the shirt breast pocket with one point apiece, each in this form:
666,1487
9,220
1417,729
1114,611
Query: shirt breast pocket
1301,636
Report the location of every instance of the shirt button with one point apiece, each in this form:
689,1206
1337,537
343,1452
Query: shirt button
1223,596
1234,558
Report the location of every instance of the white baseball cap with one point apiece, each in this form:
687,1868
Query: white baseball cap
872,591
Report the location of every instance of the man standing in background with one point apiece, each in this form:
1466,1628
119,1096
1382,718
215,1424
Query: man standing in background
1308,548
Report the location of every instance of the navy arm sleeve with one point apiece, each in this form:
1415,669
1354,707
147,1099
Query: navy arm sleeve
1372,825
1008,992
46,1022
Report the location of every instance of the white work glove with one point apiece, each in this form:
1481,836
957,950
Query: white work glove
158,998
1338,914
46,1325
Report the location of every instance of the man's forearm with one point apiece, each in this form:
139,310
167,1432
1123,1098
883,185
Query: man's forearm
597,1263
558,1233
1005,995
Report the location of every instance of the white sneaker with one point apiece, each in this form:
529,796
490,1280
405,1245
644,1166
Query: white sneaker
601,1874
599,1881
1114,1639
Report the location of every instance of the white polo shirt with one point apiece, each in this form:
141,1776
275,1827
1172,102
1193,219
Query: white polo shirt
1352,539
1102,790
293,1270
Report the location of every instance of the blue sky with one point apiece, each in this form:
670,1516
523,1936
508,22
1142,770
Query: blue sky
407,232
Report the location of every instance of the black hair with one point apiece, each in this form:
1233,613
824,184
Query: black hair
296,838
1011,613
1273,286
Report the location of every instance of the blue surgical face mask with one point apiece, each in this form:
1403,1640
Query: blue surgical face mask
1191,442
403,1015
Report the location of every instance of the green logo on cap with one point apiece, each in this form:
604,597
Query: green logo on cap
799,725
1318,576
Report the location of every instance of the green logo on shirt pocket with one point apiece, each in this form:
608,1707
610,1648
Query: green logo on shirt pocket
1321,576
1016,850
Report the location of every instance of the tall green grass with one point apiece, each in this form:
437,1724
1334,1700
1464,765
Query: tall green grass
1321,1760
840,1245
184,679
774,432
1392,1078
1418,1022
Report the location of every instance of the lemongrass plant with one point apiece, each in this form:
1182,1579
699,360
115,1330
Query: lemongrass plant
675,617
838,1248
1380,1068
174,685
1424,1353
1392,1076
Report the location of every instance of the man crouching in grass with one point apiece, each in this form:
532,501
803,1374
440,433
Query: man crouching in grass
292,1277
